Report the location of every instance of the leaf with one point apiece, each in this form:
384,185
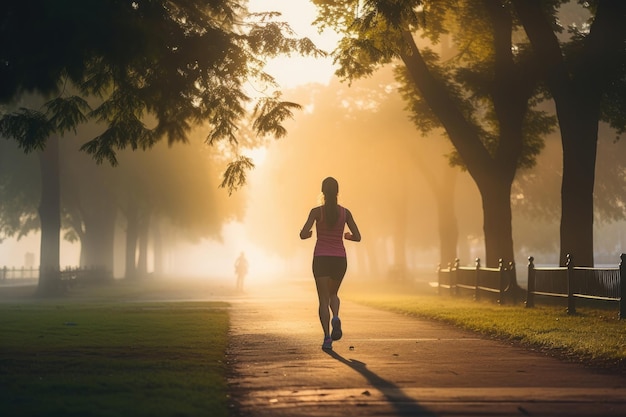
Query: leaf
235,174
66,113
30,128
270,113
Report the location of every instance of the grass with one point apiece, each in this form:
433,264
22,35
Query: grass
594,336
112,358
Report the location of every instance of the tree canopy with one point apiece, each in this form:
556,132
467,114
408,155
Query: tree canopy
146,70
176,63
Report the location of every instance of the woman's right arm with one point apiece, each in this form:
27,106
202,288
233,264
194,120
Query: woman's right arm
355,234
307,231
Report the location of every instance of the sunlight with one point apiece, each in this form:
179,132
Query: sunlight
257,154
215,260
293,71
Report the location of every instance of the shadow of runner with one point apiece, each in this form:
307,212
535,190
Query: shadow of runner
403,404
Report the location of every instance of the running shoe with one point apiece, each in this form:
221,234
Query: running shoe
336,333
328,344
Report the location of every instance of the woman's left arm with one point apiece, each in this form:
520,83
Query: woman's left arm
355,234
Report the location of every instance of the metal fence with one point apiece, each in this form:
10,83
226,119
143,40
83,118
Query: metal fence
572,283
476,279
17,276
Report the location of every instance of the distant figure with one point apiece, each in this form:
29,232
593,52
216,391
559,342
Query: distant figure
329,257
241,269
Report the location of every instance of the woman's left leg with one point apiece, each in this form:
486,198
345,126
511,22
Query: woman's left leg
323,285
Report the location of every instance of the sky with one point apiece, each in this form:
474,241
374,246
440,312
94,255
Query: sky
294,71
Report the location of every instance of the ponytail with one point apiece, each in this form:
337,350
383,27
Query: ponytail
330,189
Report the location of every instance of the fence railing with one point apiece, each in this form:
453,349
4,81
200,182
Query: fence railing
476,279
68,275
18,273
572,283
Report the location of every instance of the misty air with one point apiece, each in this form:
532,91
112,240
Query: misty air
312,208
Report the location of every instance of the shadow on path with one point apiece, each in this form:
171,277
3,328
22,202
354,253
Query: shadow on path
402,403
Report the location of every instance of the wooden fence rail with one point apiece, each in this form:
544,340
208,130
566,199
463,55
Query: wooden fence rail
476,279
572,283
68,275
18,273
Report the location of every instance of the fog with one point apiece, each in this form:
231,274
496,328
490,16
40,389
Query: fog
389,177
396,183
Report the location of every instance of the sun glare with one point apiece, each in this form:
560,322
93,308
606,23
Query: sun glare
215,260
293,71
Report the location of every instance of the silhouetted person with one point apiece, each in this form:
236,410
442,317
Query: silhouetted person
241,269
329,257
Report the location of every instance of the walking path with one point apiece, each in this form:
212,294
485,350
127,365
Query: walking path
387,364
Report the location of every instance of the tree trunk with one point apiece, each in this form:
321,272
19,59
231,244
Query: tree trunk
159,268
132,234
444,192
492,174
373,252
142,260
577,87
497,220
98,241
446,218
579,134
50,217
399,237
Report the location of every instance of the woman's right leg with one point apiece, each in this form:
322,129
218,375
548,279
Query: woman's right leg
323,295
333,288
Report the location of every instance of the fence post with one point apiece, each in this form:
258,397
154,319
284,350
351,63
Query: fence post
530,286
571,303
439,279
501,279
622,287
512,284
454,279
476,290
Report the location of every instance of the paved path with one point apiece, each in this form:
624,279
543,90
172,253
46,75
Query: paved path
392,365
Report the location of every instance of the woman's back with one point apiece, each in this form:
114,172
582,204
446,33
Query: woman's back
330,236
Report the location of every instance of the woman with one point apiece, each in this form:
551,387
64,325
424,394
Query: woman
329,256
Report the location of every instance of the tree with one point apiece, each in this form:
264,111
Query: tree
175,186
482,97
587,80
175,63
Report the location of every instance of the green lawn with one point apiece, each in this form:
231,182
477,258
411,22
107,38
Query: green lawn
593,336
78,358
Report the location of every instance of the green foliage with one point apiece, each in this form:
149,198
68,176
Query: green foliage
104,359
380,32
66,114
271,112
180,63
234,176
30,128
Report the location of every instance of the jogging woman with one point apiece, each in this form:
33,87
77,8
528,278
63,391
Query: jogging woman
329,256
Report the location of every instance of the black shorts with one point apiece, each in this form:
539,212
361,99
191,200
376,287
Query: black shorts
330,266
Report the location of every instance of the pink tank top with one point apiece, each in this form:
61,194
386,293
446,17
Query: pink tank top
330,239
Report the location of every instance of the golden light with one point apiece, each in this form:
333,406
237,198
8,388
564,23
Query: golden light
295,70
